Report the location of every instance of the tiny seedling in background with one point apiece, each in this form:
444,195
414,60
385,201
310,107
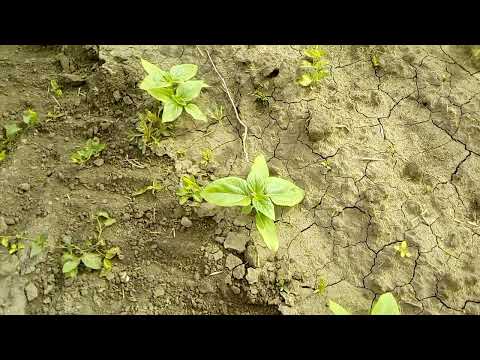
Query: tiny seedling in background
92,148
384,305
189,189
402,248
375,61
321,286
207,156
93,256
260,192
314,67
174,89
261,97
16,243
327,164
30,118
216,113
56,88
156,186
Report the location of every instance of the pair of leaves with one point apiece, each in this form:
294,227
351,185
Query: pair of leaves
104,219
176,102
156,186
158,78
30,118
92,148
259,191
385,305
71,262
160,83
403,249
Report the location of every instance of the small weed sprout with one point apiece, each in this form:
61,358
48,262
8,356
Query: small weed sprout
12,130
216,113
92,148
375,61
189,189
314,67
207,157
56,88
402,248
175,89
327,164
385,305
149,130
156,186
93,255
321,286
16,243
260,192
261,98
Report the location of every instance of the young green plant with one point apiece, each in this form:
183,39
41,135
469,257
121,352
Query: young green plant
384,305
314,66
189,189
92,148
156,186
260,192
175,89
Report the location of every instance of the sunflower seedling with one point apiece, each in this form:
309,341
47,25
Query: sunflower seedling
92,148
189,189
174,89
314,66
384,305
260,192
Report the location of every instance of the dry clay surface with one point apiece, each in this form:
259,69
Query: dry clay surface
385,155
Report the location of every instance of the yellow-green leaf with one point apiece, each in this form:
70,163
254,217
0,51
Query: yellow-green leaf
183,72
92,261
337,309
171,111
283,192
266,227
385,305
229,191
195,112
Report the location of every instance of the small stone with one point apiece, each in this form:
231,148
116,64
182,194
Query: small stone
31,291
127,100
239,272
186,222
196,276
126,217
24,187
251,255
218,255
220,239
205,210
72,79
232,262
206,288
99,162
252,275
235,289
236,241
117,96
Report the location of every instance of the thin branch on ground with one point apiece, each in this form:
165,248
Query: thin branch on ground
227,91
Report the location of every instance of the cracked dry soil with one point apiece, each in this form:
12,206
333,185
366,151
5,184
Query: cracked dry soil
385,154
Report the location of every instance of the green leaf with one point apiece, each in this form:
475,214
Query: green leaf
72,274
229,191
265,206
109,222
92,261
266,227
107,264
314,52
70,265
183,72
195,111
190,89
156,81
337,309
30,117
151,68
11,130
4,240
385,305
3,155
35,249
258,175
247,209
112,252
305,80
171,111
162,94
283,192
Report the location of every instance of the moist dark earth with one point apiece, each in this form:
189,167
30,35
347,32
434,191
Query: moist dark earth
385,154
